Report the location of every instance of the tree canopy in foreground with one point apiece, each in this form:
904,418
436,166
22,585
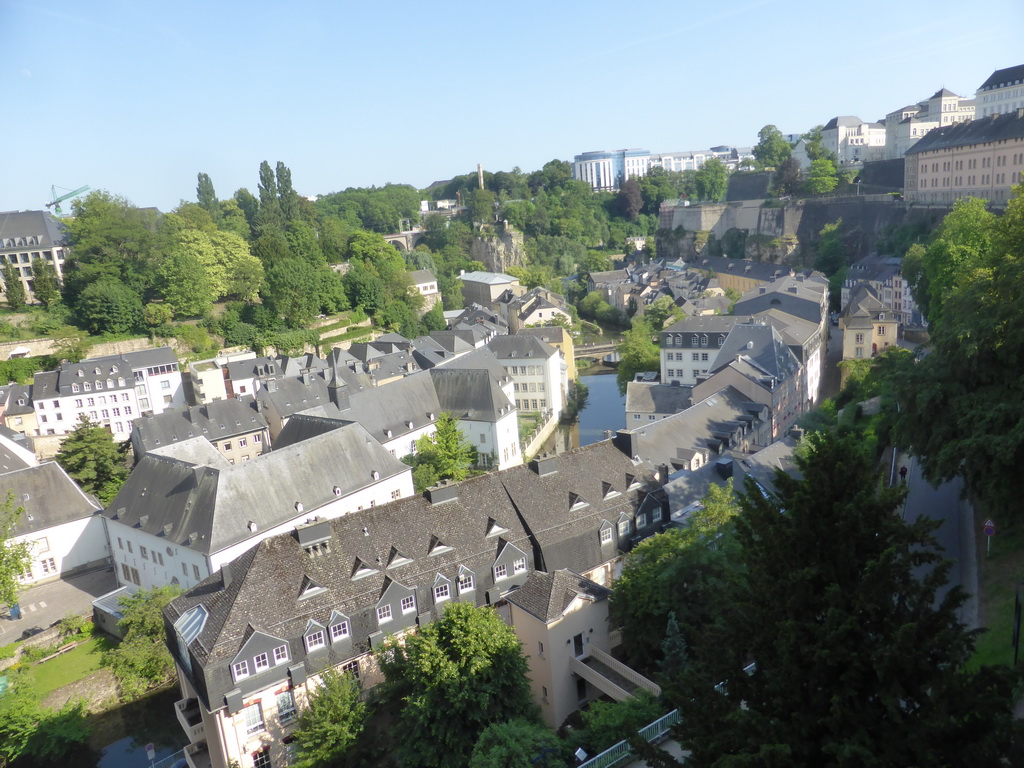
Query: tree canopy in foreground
857,661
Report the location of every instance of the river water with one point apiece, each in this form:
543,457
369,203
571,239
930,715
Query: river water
605,410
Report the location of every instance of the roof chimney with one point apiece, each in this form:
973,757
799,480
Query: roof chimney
445,491
546,464
225,575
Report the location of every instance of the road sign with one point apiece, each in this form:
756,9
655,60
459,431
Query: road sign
150,751
989,527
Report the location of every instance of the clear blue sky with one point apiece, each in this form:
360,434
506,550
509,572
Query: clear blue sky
138,97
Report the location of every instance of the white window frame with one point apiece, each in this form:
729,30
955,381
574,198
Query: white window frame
240,670
467,582
340,631
606,535
384,614
260,662
313,644
255,726
500,572
281,654
519,566
408,604
442,592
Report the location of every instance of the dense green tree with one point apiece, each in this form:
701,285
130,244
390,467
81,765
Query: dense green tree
270,217
287,196
447,452
821,177
232,219
637,353
93,460
331,723
207,197
433,319
249,204
787,179
518,744
108,306
14,289
481,206
962,404
606,723
242,274
679,576
772,148
292,291
857,661
141,661
31,735
157,314
270,248
45,283
712,180
15,555
630,199
661,311
453,679
110,239
185,282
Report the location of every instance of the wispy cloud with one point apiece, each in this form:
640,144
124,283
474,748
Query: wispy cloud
25,72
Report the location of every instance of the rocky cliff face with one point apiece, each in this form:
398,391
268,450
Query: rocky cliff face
499,248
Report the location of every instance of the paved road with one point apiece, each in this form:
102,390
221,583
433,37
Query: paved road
43,605
954,535
833,355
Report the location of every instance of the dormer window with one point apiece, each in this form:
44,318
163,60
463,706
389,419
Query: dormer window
442,589
315,640
576,502
340,631
494,529
466,581
75,388
240,670
97,371
607,491
87,387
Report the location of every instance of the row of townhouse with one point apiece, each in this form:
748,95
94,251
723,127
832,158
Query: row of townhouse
539,543
884,274
981,158
772,347
111,391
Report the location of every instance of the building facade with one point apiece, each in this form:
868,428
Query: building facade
853,140
27,237
905,126
1002,93
981,158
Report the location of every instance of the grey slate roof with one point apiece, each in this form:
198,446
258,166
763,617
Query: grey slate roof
217,420
303,426
764,271
1001,77
762,346
984,130
216,503
420,276
796,296
194,450
49,496
391,407
763,465
517,507
520,347
656,398
714,424
290,395
847,121
547,595
19,399
470,394
15,225
489,278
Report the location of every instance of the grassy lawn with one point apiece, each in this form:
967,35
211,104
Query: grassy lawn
68,667
997,582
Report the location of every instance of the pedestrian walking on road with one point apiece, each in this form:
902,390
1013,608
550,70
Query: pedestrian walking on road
903,473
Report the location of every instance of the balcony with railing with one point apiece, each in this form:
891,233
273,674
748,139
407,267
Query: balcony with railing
198,755
191,719
620,754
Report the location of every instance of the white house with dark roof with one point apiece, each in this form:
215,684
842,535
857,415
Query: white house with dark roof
425,284
853,140
111,391
176,522
251,641
1002,92
537,371
60,522
30,236
485,288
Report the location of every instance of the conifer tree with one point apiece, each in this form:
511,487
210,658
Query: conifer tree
14,289
857,662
